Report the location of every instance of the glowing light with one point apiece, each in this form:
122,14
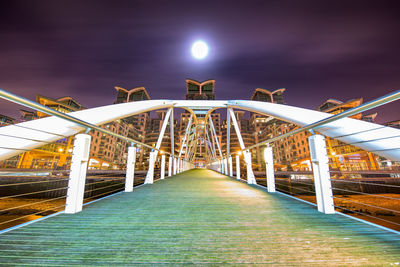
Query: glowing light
60,150
199,50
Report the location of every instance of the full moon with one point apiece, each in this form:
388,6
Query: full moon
199,50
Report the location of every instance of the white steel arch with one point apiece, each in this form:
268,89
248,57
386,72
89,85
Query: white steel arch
24,136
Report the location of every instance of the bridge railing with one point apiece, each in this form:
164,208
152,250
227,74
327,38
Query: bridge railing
35,183
370,192
62,176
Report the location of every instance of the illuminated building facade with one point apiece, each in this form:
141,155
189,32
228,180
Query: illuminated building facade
6,120
55,155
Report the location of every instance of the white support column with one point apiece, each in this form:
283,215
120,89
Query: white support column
215,135
175,165
153,155
162,166
322,181
269,166
184,142
77,175
212,144
230,167
226,166
246,154
251,179
238,167
170,165
150,173
130,169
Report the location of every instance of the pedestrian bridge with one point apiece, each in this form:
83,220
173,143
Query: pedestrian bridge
199,217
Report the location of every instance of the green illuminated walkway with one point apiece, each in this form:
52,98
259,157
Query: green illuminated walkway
199,217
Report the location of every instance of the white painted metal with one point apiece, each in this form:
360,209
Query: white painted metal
238,167
230,167
50,129
322,182
150,172
226,166
246,154
170,165
193,150
152,159
175,165
251,179
162,175
369,136
237,129
215,135
130,169
185,136
211,141
269,166
77,175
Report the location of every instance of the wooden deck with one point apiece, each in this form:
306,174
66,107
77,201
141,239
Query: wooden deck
199,217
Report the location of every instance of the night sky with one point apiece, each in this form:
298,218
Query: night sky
315,49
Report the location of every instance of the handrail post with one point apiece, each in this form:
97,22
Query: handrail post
162,166
269,167
238,167
77,175
130,169
175,165
230,166
322,181
250,175
226,166
150,173
170,166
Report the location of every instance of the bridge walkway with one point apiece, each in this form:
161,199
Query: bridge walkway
199,217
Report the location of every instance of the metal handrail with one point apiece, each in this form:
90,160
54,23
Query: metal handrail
36,106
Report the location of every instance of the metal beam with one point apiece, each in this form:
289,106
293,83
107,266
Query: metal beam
186,134
211,140
215,135
237,130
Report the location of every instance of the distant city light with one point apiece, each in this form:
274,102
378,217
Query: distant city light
199,49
